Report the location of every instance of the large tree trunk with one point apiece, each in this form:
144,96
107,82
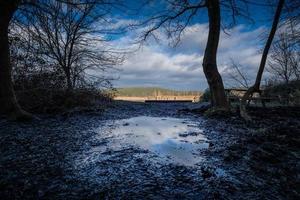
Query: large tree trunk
210,69
8,101
255,87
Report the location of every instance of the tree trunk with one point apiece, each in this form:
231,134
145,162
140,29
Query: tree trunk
69,81
8,101
210,57
255,87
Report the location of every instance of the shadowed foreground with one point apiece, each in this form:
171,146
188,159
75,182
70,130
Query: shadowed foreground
87,156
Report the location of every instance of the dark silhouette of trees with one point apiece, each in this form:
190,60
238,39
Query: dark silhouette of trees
256,86
291,21
179,14
284,60
63,35
70,64
210,56
66,37
8,101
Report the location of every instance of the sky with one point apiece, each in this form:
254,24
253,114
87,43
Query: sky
159,64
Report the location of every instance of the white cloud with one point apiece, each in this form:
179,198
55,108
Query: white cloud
181,67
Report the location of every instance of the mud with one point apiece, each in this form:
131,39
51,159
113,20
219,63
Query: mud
151,151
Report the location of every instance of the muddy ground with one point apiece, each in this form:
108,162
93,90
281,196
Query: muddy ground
70,157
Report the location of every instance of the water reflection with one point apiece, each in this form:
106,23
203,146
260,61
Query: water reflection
171,139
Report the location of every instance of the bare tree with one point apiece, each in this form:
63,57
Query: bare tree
210,56
66,35
290,34
284,60
256,86
178,14
237,75
27,64
8,101
291,21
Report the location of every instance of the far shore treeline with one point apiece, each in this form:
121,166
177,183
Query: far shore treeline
153,91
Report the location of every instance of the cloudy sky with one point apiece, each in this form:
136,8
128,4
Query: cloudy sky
161,65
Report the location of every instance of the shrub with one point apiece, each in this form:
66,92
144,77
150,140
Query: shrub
53,101
206,96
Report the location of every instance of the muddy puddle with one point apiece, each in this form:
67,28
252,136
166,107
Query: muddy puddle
118,155
166,140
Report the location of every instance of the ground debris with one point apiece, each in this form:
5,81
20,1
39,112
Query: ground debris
52,159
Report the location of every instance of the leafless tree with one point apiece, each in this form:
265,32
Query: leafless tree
176,15
27,64
67,37
256,86
8,9
284,59
8,99
291,21
237,75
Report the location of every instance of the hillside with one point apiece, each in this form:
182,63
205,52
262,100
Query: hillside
152,91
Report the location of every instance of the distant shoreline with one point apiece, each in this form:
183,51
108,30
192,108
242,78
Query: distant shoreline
164,98
155,93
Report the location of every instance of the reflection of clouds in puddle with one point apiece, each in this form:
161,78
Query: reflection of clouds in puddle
220,172
167,137
179,152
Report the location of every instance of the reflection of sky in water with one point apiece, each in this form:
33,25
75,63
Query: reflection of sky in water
175,139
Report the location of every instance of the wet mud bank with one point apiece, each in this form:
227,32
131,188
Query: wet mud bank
263,159
151,151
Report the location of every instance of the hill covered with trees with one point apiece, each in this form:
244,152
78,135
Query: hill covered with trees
153,91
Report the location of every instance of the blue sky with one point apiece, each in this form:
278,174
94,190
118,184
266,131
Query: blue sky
160,65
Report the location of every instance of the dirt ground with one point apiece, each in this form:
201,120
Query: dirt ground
58,157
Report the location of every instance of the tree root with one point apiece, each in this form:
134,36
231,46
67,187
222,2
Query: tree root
20,115
243,110
13,111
